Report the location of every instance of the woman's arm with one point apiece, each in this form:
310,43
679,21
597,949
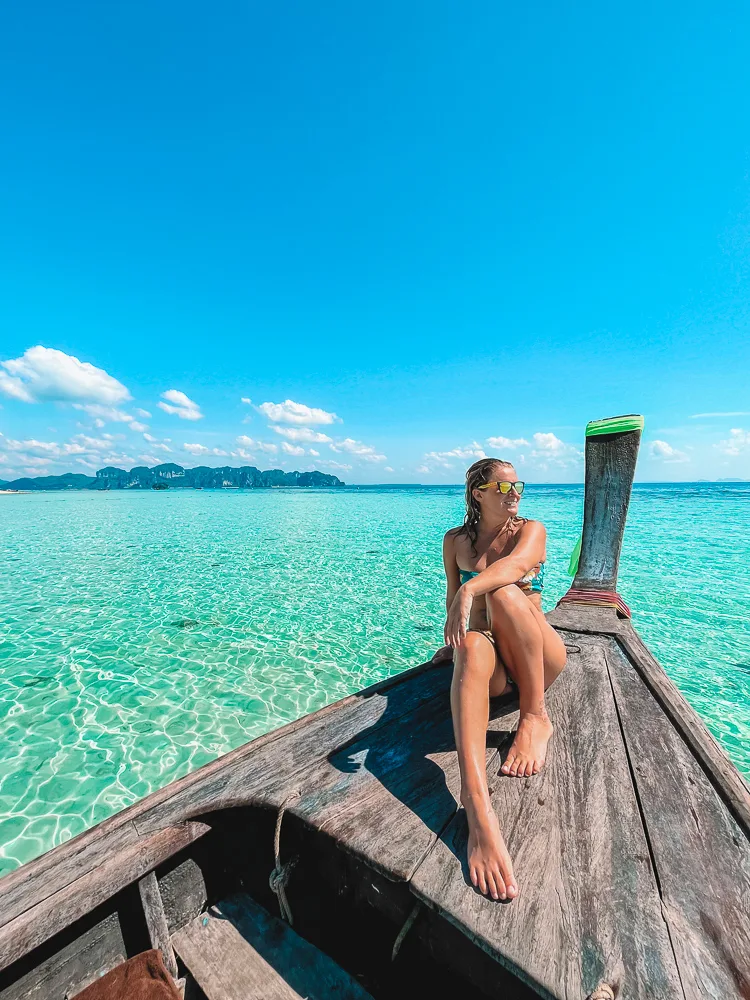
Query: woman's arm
529,551
452,586
452,575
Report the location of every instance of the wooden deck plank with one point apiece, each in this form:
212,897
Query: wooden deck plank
264,775
62,908
30,884
701,853
388,794
588,907
238,951
243,776
691,728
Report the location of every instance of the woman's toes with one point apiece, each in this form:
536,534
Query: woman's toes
474,876
500,883
508,764
491,887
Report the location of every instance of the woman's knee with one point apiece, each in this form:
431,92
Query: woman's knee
506,597
473,654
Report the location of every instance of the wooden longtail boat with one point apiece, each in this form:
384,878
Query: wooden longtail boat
631,847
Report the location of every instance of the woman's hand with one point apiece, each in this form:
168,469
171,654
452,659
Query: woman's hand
459,612
443,655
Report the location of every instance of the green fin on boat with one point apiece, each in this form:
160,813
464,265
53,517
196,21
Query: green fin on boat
615,425
574,557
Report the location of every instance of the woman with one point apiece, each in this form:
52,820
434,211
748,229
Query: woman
500,639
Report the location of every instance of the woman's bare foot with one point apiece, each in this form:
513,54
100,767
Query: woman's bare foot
529,750
490,867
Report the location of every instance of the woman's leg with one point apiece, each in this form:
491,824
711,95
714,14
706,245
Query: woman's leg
534,655
476,672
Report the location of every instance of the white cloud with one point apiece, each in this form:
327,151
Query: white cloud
302,434
315,453
247,442
550,452
290,412
292,449
365,452
444,459
180,405
665,452
156,443
246,400
387,468
142,413
241,453
730,413
507,443
201,449
43,374
110,414
737,442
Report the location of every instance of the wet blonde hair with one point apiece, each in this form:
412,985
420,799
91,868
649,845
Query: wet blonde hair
477,474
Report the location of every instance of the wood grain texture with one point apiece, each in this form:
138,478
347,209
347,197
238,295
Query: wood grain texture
51,915
47,874
95,952
701,854
267,775
237,951
242,776
156,921
31,883
712,758
588,907
183,892
610,467
388,794
588,619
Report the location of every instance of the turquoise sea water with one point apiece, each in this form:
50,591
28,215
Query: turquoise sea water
143,634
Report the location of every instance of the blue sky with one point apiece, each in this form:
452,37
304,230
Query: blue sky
460,229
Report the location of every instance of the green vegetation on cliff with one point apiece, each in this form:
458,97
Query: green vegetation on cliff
175,477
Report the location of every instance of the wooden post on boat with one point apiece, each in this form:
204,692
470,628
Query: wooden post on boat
611,453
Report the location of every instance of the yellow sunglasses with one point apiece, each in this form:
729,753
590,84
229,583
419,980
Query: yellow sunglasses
504,487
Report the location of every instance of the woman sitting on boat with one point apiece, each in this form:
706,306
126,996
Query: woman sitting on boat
500,640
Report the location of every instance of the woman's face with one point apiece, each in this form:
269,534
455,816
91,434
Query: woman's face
496,505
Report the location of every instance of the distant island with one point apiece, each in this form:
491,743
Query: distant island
171,476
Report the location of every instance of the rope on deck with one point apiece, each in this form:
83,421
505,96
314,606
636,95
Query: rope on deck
408,924
279,877
602,992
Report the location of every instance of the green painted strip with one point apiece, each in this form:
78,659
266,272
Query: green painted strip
575,555
615,425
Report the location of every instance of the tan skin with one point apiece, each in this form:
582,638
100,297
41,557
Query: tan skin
526,647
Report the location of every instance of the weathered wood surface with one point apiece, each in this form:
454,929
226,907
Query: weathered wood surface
79,897
237,951
701,854
183,892
387,795
610,466
691,728
156,921
67,972
72,879
268,770
33,882
588,907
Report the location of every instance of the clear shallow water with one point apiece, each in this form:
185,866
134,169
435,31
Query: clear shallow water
143,634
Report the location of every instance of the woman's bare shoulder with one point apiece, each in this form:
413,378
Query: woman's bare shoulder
528,525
